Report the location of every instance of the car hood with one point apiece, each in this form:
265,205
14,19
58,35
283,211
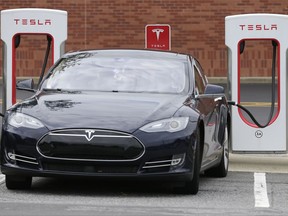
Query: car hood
105,110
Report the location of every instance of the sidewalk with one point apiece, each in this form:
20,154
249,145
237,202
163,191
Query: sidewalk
272,163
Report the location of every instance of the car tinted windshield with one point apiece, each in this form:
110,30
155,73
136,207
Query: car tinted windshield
132,74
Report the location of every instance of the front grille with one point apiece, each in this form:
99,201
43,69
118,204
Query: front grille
90,145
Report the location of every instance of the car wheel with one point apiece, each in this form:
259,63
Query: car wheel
192,187
18,182
222,169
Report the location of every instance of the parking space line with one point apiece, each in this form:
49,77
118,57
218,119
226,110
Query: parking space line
260,190
2,178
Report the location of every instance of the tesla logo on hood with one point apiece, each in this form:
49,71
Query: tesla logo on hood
89,135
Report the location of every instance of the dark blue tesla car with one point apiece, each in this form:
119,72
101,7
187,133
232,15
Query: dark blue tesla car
136,114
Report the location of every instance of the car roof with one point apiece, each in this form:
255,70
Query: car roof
136,53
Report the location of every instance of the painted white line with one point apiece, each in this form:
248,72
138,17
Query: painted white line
2,178
260,191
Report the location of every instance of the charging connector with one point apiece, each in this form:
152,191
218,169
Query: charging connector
233,103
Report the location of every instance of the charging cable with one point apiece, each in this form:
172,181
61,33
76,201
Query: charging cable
49,40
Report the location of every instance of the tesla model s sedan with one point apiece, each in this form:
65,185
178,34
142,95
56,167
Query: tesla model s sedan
119,113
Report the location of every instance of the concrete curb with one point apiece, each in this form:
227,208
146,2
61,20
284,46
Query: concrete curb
244,80
271,163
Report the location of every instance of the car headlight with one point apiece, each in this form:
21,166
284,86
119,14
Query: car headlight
169,125
22,120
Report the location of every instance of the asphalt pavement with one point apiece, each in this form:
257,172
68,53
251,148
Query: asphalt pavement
240,193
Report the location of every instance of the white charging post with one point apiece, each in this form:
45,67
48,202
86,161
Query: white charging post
247,137
28,21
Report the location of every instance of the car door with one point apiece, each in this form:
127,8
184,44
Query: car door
208,107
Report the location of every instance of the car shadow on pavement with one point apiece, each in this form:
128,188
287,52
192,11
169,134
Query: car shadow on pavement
104,187
92,187
88,186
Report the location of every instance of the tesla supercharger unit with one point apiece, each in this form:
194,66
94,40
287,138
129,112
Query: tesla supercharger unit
247,137
28,21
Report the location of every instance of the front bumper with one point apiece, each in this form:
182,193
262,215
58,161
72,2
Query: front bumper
183,175
166,158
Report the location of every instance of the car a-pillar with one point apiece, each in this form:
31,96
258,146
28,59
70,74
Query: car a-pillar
29,21
242,33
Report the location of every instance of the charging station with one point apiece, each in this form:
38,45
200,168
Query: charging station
28,21
246,136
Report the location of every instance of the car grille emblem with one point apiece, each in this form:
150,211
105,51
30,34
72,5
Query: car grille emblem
89,135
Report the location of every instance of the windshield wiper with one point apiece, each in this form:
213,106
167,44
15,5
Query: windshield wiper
51,89
64,91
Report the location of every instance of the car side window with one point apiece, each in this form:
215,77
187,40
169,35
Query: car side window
199,82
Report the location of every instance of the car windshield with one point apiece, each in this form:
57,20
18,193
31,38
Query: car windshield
118,73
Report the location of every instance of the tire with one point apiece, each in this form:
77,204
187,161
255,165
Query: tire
14,182
192,187
222,169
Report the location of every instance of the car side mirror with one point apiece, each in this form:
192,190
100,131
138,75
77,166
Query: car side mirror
214,89
27,85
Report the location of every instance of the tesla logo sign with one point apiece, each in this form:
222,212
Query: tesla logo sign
158,36
258,27
32,22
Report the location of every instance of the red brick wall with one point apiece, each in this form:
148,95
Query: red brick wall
197,27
